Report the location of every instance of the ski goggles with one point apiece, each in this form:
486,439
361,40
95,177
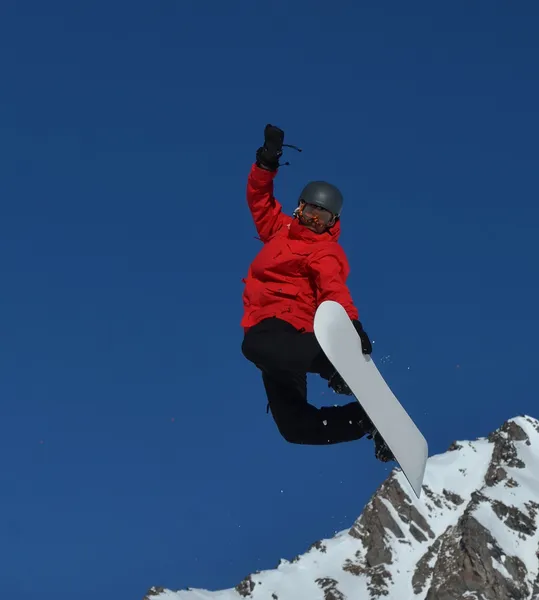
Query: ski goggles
317,215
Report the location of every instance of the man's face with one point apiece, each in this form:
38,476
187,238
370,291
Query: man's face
315,218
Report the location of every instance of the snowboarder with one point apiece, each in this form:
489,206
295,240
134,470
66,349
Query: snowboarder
300,265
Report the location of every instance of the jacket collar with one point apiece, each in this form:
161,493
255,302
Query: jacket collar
297,231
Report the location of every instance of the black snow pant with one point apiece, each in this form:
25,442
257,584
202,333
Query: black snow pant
285,355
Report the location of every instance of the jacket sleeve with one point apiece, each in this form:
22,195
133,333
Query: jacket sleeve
329,272
266,210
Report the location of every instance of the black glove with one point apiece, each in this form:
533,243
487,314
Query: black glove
268,155
365,341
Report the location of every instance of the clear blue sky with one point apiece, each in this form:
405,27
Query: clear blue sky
135,447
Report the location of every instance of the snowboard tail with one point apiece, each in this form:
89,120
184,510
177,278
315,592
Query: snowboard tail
339,340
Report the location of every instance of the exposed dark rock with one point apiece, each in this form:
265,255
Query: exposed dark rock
331,591
317,546
423,572
296,558
378,583
245,587
154,591
504,452
432,496
355,567
514,518
514,432
515,567
452,497
533,422
417,533
157,590
495,475
407,512
465,564
378,578
533,508
370,529
376,518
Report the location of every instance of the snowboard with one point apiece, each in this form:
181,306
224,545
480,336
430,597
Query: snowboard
339,340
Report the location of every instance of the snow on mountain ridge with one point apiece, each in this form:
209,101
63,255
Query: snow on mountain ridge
474,534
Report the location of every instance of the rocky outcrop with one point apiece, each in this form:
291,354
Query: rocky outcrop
153,592
331,589
465,563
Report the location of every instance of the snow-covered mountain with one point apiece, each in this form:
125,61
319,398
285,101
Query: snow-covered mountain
473,535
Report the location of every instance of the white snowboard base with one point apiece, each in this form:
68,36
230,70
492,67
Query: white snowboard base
338,338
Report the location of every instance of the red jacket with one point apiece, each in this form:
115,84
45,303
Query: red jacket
296,269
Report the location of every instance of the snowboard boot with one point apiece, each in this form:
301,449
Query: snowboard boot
339,385
381,450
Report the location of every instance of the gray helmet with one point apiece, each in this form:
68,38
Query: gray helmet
324,195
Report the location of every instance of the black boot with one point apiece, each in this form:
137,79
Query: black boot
381,450
339,385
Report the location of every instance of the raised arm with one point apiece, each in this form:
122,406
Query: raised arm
266,210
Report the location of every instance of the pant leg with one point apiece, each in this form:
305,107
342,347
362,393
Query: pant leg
302,423
285,356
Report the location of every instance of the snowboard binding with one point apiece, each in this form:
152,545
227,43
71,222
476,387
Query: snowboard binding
381,449
339,385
